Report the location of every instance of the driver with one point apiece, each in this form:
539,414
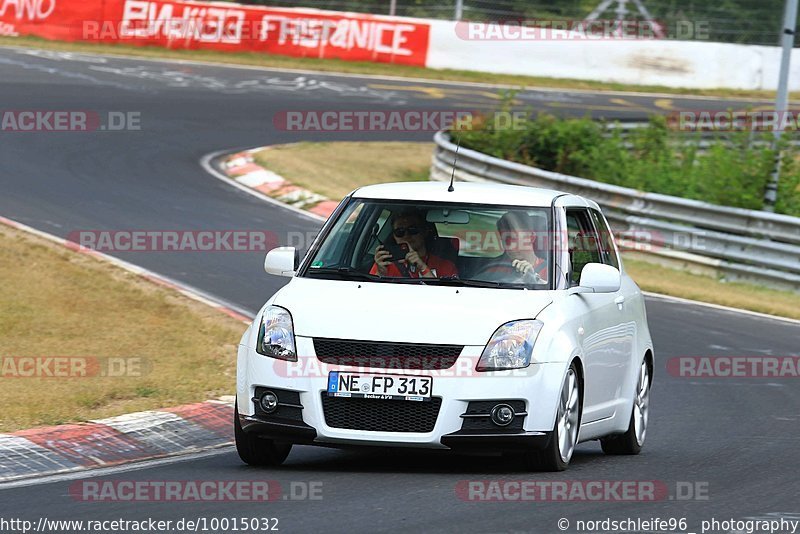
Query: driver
410,231
518,238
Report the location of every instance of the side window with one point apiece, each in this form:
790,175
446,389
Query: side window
583,246
607,250
332,253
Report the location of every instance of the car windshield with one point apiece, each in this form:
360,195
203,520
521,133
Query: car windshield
436,243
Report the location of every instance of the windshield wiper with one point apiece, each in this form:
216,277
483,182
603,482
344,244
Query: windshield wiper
455,280
346,273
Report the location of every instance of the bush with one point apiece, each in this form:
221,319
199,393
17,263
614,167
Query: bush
730,171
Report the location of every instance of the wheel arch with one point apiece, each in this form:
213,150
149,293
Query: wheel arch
650,361
579,370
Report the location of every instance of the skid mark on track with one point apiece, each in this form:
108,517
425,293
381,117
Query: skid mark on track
49,69
187,78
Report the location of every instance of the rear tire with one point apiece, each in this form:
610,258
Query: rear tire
632,441
558,452
255,450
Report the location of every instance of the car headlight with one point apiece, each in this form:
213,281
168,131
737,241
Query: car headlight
276,335
511,346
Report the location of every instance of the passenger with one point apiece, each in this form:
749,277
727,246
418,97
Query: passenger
518,236
410,232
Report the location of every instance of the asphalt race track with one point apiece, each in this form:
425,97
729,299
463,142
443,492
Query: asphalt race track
733,440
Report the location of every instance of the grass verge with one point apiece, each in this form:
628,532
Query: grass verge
56,303
335,169
384,69
658,279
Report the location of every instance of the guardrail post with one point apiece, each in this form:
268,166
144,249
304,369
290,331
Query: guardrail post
782,101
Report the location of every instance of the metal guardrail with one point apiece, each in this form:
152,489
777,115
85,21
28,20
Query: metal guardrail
739,244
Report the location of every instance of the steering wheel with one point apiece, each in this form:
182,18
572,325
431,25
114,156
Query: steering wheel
502,268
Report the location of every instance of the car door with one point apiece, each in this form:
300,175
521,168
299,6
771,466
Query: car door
626,301
601,329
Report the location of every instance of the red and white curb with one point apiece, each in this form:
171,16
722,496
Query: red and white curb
242,168
127,438
116,440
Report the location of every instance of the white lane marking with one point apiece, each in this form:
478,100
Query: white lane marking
205,162
415,80
720,307
83,473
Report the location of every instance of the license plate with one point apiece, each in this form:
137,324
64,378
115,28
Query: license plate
372,386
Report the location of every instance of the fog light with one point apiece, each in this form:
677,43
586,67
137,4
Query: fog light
502,415
268,402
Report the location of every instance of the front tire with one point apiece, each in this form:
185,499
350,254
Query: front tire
558,453
255,450
632,441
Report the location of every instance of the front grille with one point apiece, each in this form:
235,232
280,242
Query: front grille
380,415
374,354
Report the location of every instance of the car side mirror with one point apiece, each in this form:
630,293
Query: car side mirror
598,278
282,261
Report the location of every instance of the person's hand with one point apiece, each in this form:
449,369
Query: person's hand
522,266
382,259
412,258
526,269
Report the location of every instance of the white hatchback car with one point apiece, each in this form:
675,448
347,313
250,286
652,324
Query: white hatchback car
491,317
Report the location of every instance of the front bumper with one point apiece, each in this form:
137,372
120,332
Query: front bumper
537,389
497,442
302,434
299,433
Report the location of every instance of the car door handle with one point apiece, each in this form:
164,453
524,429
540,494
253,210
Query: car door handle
619,301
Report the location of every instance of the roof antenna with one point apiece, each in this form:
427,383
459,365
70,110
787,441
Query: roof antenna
453,175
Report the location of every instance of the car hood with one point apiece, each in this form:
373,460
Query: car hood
405,313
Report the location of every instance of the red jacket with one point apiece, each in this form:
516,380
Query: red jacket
438,266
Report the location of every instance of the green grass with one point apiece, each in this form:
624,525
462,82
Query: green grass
355,67
57,303
658,279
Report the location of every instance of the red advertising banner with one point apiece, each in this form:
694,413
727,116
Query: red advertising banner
51,19
222,26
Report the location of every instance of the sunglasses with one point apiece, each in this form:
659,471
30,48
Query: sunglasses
401,232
